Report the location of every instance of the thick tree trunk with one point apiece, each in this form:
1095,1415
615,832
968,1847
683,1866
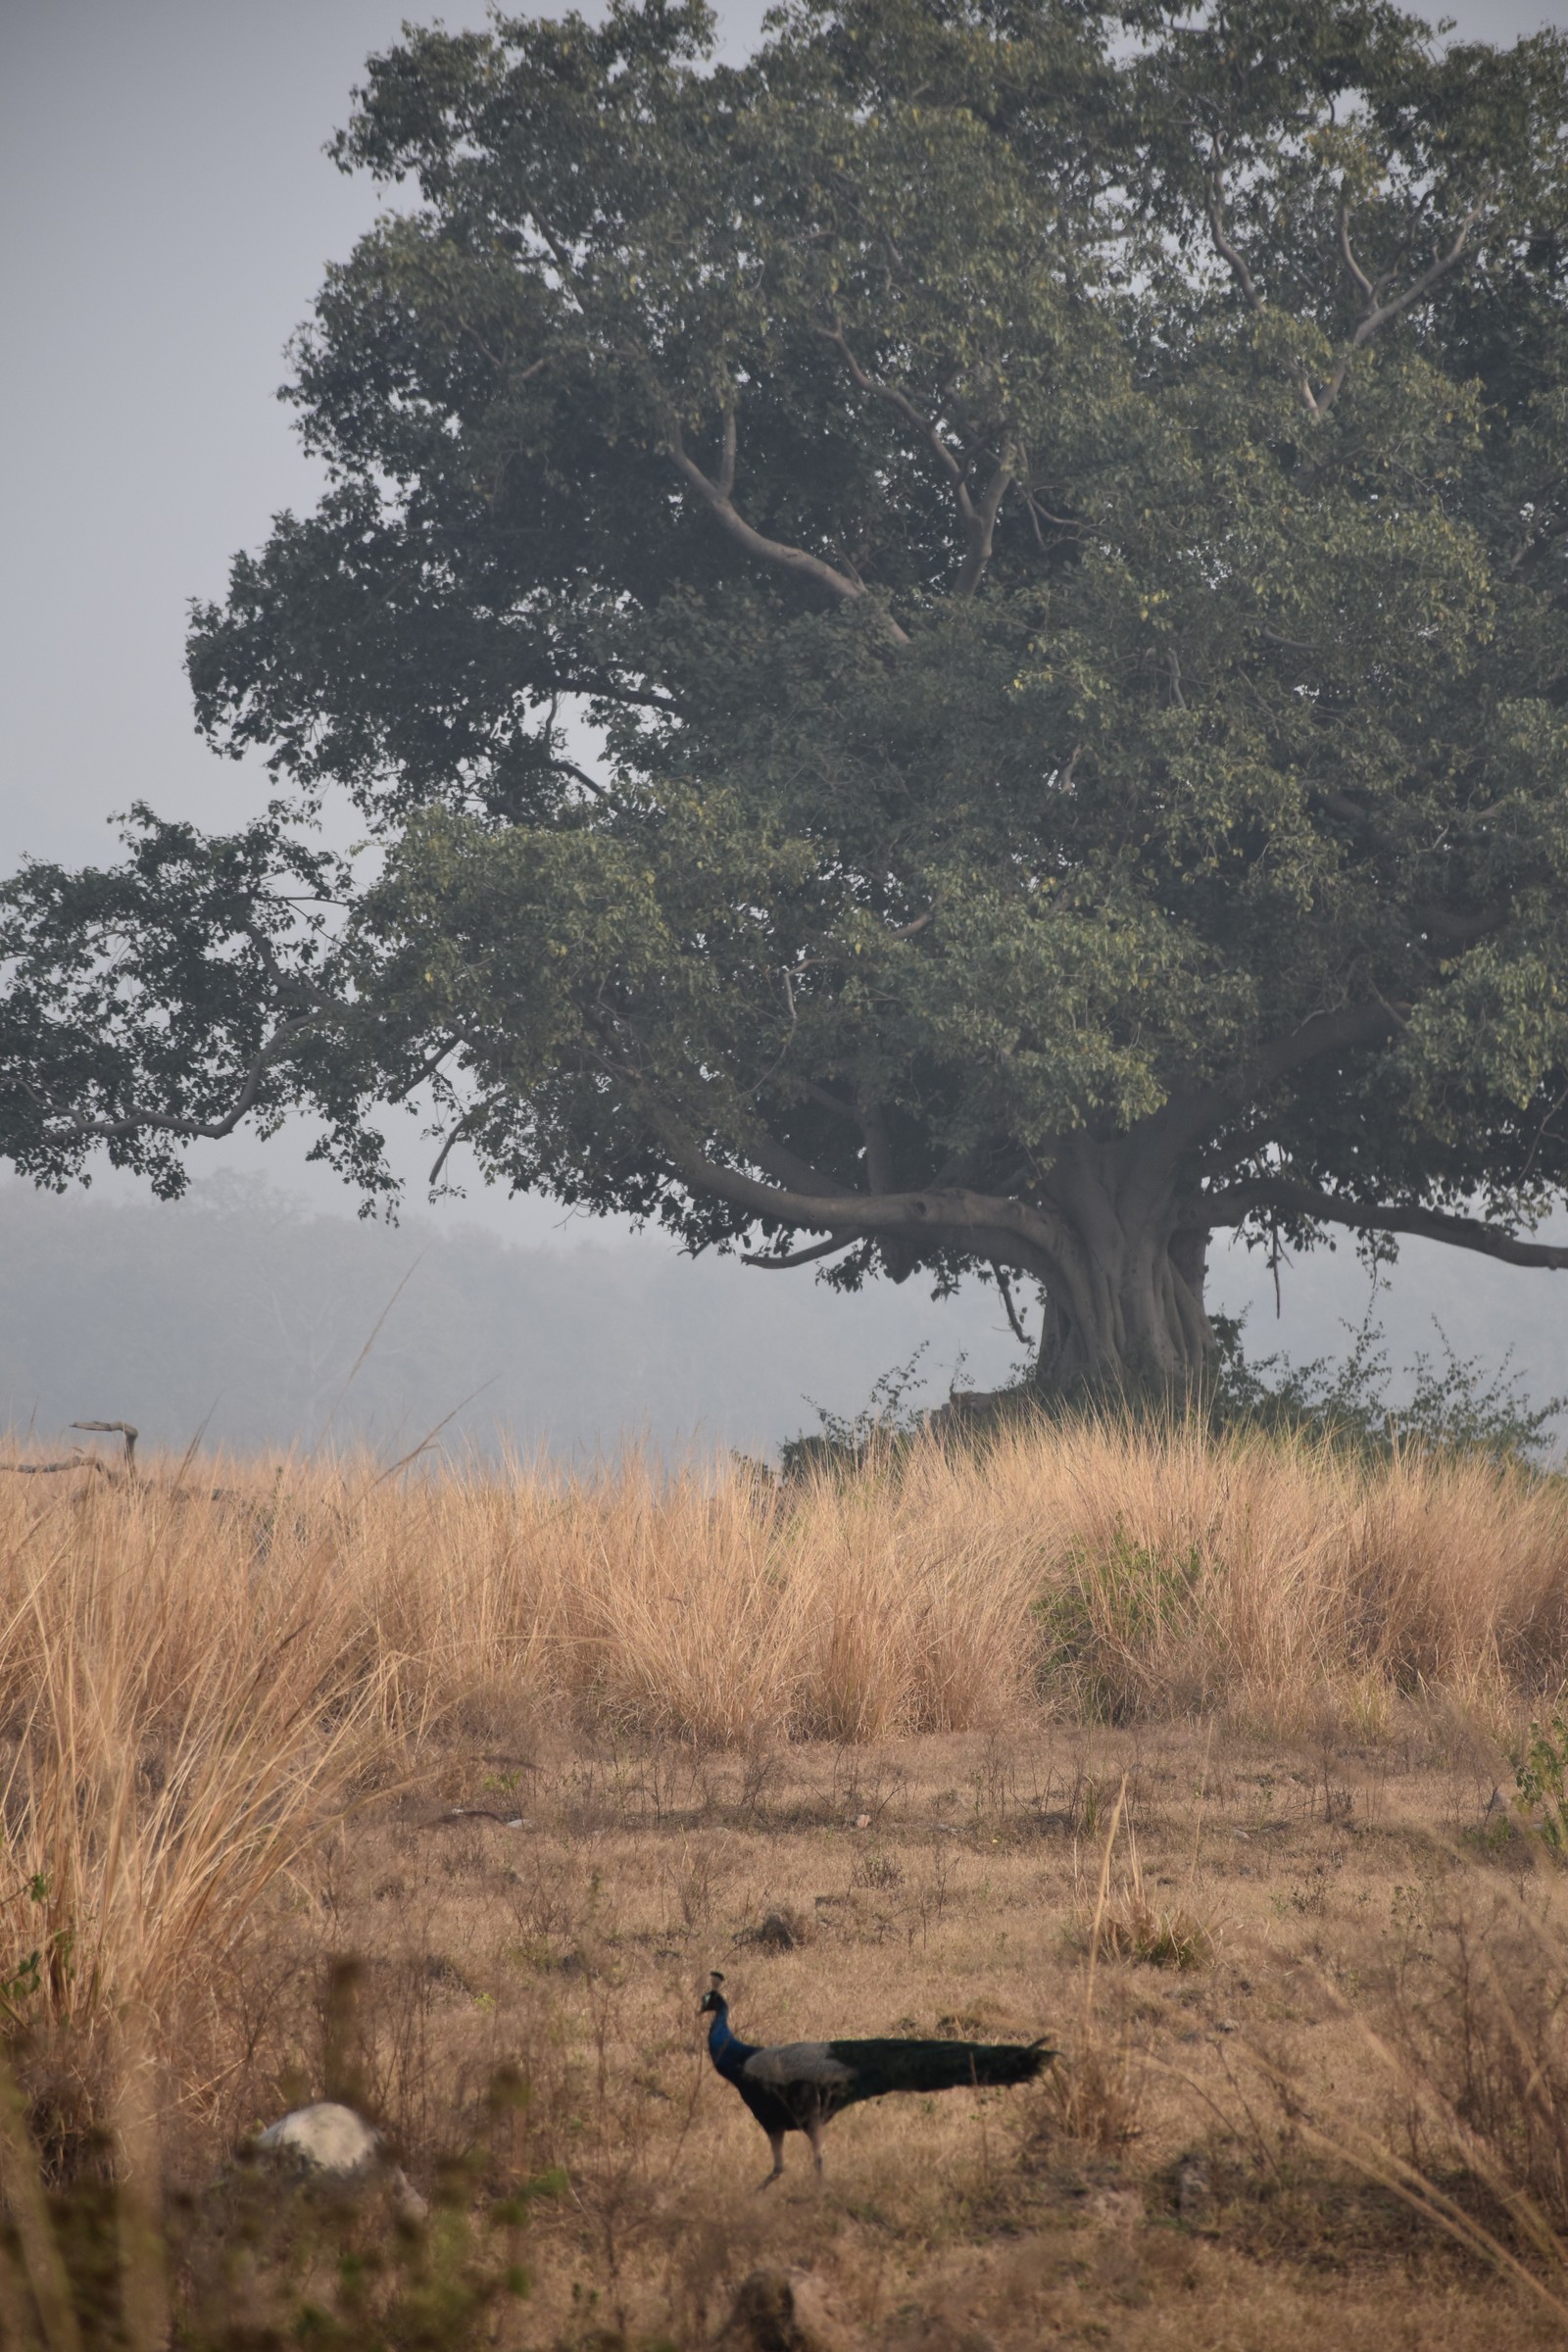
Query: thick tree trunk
1126,1312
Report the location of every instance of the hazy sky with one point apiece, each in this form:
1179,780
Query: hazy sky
169,211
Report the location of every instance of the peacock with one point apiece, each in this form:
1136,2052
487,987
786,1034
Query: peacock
800,2086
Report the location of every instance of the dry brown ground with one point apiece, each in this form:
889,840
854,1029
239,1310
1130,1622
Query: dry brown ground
1314,1888
240,1723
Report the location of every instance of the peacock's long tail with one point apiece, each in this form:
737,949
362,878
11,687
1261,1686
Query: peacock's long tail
879,2066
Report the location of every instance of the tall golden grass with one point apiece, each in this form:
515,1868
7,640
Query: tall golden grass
174,1722
190,1680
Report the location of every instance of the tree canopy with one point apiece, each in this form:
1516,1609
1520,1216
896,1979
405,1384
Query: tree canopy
952,645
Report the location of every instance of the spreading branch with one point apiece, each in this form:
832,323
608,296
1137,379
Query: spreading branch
1380,305
1379,311
1034,1238
1184,1122
145,1118
796,563
1279,1197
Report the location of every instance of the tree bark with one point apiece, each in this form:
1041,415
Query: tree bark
1108,1236
1125,1312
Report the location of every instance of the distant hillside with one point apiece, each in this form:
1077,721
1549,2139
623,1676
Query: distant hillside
243,1310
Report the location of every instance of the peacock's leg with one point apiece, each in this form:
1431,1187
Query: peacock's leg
775,2140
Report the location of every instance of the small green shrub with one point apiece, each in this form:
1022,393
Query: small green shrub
1103,1624
1540,1783
883,1426
1455,1404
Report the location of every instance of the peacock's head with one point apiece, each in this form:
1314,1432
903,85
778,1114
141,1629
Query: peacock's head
712,1998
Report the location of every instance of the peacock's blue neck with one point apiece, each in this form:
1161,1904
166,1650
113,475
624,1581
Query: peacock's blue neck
727,2049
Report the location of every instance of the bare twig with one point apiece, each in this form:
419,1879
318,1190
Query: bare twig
126,1430
1006,1288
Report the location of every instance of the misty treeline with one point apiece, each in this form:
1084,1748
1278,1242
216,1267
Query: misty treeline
242,1313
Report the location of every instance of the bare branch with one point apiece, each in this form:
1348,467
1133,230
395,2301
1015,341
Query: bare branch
1378,312
983,528
124,1429
525,375
1318,400
74,1461
1351,262
901,401
81,1461
1227,250
455,1136
580,775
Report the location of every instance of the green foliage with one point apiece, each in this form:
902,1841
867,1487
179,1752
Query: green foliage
879,1432
18,1987
1456,1403
153,1003
1106,1614
1540,1783
26,1976
951,639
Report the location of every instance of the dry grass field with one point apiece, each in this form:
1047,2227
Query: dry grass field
1183,1751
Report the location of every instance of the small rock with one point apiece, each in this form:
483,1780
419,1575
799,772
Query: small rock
325,2137
862,1821
331,2140
407,2202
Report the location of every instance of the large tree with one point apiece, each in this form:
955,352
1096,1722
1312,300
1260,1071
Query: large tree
952,644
